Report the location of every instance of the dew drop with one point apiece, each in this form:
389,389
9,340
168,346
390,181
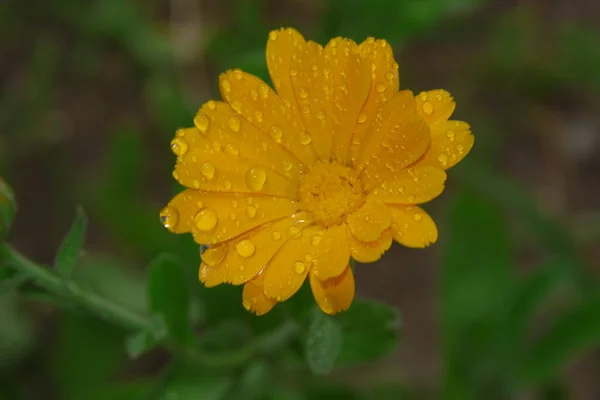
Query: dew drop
211,104
450,135
202,122
234,203
199,204
276,235
276,133
305,138
234,124
231,149
237,74
179,146
362,118
423,96
226,85
208,170
294,231
344,88
232,216
287,165
227,185
380,88
245,248
427,108
206,220
418,217
321,115
460,148
263,90
215,255
308,258
255,178
442,158
169,216
258,115
273,35
299,267
237,106
196,184
293,72
251,212
389,76
303,93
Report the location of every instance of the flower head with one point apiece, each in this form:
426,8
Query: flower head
288,183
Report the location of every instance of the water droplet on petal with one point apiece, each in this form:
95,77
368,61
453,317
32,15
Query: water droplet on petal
179,146
202,122
418,217
196,184
450,135
263,90
427,108
273,35
442,158
299,267
303,93
245,302
215,255
225,85
460,148
389,76
276,235
380,87
305,138
199,204
362,118
293,72
245,248
211,104
294,231
231,149
251,212
255,178
169,216
258,115
321,115
208,170
234,124
276,133
287,165
227,185
206,220
237,106
237,74
232,216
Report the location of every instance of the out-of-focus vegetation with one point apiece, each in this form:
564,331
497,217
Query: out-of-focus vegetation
92,93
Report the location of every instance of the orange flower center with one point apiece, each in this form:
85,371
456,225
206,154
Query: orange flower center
330,192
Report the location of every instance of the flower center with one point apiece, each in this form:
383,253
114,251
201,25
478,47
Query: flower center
330,191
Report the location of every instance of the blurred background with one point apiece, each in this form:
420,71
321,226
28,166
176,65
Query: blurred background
505,305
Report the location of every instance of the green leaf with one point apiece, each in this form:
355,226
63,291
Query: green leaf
370,330
68,254
17,331
8,208
476,282
323,342
169,297
13,282
88,354
121,391
187,381
573,333
253,382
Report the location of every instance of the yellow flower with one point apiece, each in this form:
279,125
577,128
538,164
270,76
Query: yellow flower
292,183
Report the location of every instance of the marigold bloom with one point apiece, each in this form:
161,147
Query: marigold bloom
293,182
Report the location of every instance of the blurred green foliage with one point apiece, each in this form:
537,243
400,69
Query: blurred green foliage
504,332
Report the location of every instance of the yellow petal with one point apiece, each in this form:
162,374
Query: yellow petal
208,165
333,252
254,299
435,106
352,82
313,85
278,120
372,251
414,185
336,294
384,86
368,223
217,217
412,226
211,276
286,272
451,141
403,145
281,45
236,134
248,254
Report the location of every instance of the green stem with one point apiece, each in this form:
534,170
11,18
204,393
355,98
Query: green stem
42,276
45,278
